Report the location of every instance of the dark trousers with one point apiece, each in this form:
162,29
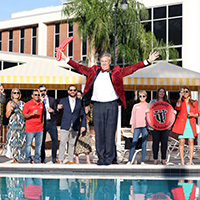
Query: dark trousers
105,124
52,130
160,136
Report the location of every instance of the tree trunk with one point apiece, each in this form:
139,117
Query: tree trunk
93,56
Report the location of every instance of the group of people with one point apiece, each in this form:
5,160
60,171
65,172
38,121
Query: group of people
184,126
103,89
36,117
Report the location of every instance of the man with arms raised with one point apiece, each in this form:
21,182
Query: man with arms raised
104,88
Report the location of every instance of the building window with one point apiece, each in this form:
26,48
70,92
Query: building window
22,38
84,50
70,45
57,36
10,41
34,40
0,40
166,24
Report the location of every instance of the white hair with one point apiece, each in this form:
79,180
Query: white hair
106,54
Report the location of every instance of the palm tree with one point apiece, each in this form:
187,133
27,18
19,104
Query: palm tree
96,23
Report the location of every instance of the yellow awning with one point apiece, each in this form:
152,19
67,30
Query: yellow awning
37,72
164,74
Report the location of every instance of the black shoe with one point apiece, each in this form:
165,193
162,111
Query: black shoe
107,163
54,160
43,161
100,163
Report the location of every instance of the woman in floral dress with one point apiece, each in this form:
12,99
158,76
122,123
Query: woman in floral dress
83,141
15,139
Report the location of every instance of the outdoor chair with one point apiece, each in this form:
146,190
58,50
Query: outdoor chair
173,148
137,151
123,150
126,145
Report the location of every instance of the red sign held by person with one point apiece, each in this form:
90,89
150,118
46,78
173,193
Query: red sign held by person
61,48
161,115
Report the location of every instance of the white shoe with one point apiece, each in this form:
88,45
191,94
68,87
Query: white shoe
142,163
128,163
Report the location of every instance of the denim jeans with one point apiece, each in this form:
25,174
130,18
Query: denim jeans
136,135
38,142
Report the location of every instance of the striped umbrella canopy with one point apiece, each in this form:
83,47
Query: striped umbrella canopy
36,72
170,76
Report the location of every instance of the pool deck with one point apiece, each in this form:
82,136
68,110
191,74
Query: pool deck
173,169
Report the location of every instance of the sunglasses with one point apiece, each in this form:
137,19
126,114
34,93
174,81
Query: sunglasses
142,96
16,93
36,95
43,90
71,90
186,91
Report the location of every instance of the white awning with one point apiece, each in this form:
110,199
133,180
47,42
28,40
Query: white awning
40,71
164,74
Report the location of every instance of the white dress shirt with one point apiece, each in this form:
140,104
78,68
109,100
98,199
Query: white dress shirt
103,90
72,103
47,105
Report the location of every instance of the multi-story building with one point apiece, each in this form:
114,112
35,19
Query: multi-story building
177,22
37,32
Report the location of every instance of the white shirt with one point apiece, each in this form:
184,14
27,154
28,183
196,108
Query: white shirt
46,103
103,90
72,103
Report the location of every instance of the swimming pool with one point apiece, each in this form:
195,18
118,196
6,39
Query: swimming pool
63,187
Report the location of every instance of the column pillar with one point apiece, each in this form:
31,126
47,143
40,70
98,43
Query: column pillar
42,39
191,33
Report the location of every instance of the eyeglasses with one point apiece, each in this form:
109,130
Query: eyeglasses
16,93
186,91
43,90
71,90
36,95
142,96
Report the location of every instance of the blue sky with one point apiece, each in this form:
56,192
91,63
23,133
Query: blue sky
10,6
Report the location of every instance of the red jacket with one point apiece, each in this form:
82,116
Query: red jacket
181,119
116,74
178,193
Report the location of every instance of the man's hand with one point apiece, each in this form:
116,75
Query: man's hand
42,98
153,56
82,129
50,110
64,57
34,112
59,106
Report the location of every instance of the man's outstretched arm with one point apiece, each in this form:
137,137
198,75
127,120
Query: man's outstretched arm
80,68
132,68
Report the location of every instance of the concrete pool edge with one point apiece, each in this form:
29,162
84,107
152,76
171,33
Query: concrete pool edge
94,169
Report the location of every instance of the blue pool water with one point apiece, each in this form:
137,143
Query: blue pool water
97,189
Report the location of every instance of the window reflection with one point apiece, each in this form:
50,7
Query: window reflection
159,13
166,24
147,26
175,10
175,31
160,30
